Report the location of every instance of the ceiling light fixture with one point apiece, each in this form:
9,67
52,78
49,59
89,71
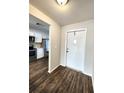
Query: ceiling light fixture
62,2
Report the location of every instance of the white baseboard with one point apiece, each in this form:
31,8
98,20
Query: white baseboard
62,65
88,74
53,69
91,77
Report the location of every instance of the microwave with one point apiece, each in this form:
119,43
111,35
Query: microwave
31,39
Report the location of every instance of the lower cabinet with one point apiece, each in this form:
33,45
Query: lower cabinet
40,53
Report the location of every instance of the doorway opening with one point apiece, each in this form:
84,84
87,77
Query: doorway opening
38,40
75,49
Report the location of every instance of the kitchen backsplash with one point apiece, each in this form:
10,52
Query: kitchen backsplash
38,45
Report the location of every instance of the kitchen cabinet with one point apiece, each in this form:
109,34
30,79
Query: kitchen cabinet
31,33
40,53
38,37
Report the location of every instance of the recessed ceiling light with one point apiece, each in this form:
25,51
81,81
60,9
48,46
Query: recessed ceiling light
38,24
62,2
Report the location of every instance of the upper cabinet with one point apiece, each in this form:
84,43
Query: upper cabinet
38,37
31,33
38,34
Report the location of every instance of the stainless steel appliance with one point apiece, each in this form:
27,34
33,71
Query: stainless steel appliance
31,39
32,53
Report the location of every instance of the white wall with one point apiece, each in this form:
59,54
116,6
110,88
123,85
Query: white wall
89,52
54,36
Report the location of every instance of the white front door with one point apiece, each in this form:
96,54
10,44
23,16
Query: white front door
75,51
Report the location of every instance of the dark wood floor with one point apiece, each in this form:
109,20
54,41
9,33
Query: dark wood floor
62,80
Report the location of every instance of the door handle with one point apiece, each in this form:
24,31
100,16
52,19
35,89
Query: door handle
67,50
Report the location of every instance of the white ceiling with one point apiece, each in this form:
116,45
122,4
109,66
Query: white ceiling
74,11
33,24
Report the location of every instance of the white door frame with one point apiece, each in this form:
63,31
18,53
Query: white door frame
74,30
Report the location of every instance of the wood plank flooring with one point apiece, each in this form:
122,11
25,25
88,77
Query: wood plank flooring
62,80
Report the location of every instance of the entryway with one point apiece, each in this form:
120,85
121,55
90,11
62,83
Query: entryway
75,49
